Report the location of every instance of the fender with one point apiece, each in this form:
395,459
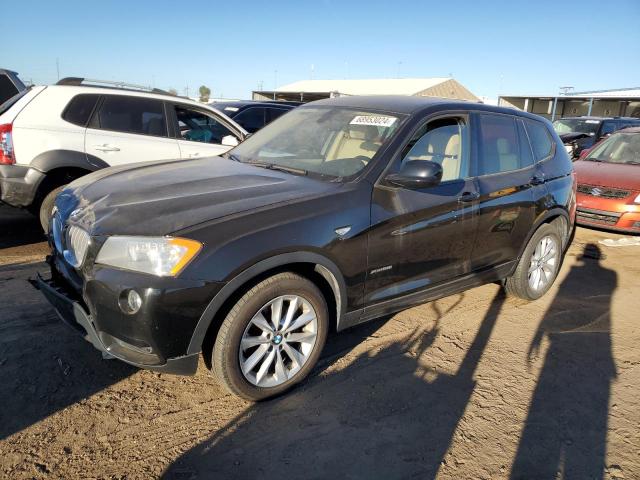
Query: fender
52,159
324,267
546,215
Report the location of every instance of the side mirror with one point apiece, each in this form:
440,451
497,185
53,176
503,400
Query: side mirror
229,141
417,174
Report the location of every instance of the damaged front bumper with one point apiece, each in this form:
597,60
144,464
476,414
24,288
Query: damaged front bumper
74,314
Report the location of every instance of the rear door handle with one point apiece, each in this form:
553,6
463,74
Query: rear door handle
469,197
193,155
106,148
537,180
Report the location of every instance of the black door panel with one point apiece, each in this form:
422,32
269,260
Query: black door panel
419,238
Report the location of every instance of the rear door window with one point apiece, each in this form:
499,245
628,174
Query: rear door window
499,144
80,108
541,142
608,128
143,116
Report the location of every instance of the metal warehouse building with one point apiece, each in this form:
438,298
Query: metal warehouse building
310,90
623,102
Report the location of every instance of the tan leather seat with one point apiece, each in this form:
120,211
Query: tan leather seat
356,142
452,160
508,159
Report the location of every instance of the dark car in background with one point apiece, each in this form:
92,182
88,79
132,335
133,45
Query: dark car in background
10,85
339,212
580,133
609,183
254,115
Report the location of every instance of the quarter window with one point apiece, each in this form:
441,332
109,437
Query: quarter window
441,141
197,126
540,139
79,109
131,115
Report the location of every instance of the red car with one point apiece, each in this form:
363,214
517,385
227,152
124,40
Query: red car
609,183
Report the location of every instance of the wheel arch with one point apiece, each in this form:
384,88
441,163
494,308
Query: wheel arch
555,216
61,167
320,270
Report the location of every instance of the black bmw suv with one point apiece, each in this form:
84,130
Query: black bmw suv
339,212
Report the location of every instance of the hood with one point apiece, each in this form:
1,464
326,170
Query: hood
573,136
164,197
617,175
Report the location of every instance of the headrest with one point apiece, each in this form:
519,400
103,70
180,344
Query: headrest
503,146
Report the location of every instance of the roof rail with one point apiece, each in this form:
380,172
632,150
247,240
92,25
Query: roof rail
88,82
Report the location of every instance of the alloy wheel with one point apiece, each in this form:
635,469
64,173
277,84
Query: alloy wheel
278,341
543,263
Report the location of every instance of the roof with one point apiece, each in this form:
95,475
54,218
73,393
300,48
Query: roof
376,86
411,104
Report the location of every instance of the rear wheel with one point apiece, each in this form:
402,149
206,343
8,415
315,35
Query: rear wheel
272,337
46,207
538,267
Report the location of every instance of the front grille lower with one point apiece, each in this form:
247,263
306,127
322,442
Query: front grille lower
603,192
598,217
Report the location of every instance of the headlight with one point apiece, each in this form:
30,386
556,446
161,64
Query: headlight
162,256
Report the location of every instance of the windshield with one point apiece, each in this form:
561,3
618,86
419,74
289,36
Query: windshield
324,142
619,148
576,125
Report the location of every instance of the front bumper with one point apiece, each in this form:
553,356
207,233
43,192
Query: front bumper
157,337
74,315
611,214
19,184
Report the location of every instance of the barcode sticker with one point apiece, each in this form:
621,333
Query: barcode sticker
375,120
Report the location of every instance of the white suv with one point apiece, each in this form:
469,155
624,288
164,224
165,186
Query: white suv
50,135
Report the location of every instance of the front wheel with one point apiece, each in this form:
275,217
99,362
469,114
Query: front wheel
46,207
538,267
272,338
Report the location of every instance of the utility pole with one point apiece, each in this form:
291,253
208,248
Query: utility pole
58,67
275,79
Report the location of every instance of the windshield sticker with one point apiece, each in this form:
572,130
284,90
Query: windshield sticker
592,121
231,109
375,120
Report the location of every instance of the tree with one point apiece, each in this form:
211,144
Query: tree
173,91
205,93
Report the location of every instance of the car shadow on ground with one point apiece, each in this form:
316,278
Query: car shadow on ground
387,415
18,227
565,434
44,365
383,416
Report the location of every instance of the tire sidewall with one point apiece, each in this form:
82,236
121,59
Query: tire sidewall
46,207
229,349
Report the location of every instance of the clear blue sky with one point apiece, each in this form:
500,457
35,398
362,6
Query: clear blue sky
491,47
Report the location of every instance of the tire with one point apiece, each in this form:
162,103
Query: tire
231,357
519,284
46,207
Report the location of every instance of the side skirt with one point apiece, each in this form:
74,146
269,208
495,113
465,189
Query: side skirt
395,305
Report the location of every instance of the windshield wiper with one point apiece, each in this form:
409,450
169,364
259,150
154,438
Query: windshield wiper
282,168
230,156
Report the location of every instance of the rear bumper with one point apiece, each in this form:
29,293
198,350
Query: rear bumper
19,184
74,314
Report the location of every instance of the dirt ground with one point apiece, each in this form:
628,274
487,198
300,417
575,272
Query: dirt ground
471,386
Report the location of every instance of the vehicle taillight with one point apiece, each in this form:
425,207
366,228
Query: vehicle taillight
7,155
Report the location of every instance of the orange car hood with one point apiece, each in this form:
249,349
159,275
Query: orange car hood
617,175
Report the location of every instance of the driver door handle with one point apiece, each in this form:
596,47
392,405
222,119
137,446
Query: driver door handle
106,148
468,197
537,180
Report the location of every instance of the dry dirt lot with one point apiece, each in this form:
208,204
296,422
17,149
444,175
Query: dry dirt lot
471,386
